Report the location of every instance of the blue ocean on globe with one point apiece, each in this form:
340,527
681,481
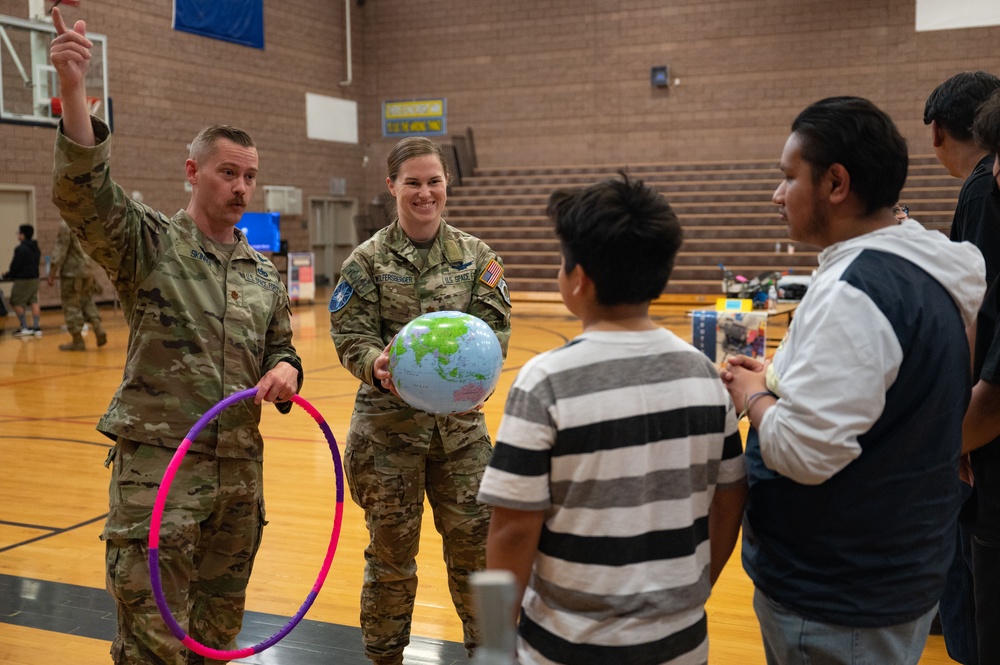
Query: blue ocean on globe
445,362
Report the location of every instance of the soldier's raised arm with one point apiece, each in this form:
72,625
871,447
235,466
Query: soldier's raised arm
70,56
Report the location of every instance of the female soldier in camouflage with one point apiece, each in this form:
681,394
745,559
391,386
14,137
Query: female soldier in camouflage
395,453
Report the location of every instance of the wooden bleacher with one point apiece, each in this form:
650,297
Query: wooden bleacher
376,214
725,208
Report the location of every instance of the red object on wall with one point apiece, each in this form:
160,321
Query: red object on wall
56,103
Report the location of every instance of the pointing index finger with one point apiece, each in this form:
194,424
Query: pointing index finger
57,21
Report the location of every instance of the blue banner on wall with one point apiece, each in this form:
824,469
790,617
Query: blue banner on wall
238,21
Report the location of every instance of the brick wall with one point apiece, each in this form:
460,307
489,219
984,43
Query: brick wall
567,82
550,82
166,85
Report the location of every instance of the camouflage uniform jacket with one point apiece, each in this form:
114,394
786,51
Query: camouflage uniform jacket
385,284
199,330
69,259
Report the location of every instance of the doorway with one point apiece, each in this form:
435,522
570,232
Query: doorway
331,233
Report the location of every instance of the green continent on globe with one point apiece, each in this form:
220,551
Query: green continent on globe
440,340
445,362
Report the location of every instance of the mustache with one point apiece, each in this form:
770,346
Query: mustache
237,201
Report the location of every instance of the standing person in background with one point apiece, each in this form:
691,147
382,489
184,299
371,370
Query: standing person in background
949,111
396,453
24,273
3,314
207,316
857,423
618,479
981,433
76,289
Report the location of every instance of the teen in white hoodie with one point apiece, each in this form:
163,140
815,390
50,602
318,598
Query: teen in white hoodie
857,423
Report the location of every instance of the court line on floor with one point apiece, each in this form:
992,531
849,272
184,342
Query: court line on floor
55,531
70,609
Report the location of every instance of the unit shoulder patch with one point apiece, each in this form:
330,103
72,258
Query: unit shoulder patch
341,295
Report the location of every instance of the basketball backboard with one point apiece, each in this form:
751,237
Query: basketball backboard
29,87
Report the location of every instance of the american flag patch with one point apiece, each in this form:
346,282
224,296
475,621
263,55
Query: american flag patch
492,274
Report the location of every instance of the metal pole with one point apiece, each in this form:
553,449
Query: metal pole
494,591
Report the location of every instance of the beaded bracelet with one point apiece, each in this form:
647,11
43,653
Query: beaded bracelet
747,401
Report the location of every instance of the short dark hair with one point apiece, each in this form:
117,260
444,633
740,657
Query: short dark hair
953,104
27,230
623,233
986,126
204,143
862,138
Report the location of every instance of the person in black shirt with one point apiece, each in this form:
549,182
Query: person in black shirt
981,429
950,111
24,273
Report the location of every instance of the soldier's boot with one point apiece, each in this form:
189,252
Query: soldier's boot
75,345
102,337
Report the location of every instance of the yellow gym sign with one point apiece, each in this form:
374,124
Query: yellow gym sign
414,117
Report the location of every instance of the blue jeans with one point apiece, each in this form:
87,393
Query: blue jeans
958,605
791,639
986,569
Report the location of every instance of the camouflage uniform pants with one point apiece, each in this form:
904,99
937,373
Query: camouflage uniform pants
209,536
77,295
390,484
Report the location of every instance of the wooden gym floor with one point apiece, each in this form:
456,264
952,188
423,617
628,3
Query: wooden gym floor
53,499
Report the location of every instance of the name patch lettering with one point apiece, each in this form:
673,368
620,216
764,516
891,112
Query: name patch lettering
396,279
253,278
458,279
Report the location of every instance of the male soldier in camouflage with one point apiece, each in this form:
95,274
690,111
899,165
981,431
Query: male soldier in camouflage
76,289
395,453
207,317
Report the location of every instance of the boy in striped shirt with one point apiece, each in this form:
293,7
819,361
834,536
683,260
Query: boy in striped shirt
617,481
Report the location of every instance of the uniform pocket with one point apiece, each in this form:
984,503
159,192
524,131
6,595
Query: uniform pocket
379,475
130,495
466,467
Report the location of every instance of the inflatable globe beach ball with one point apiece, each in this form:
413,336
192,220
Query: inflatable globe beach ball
445,362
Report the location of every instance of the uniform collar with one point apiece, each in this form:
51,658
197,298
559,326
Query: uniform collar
444,247
243,250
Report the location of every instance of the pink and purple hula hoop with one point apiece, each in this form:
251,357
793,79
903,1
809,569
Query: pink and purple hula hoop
160,503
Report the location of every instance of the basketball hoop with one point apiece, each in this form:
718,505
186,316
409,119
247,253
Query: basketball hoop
42,9
93,103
